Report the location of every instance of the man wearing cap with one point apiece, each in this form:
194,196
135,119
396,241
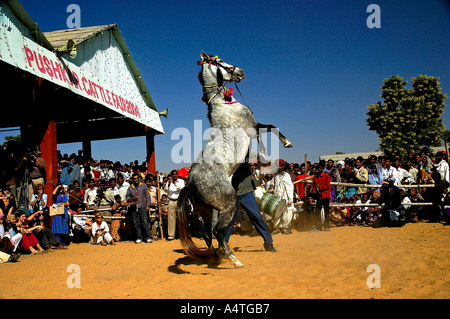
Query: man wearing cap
284,188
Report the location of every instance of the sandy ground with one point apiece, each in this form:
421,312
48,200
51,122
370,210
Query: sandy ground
413,261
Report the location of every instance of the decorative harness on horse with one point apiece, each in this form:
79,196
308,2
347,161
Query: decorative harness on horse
227,92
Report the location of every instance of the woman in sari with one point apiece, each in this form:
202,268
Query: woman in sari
60,223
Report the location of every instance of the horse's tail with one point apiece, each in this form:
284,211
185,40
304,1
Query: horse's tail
191,249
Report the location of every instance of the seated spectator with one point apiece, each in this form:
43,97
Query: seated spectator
362,212
391,210
7,203
338,216
447,210
43,234
6,245
10,233
81,229
100,232
29,242
352,210
413,213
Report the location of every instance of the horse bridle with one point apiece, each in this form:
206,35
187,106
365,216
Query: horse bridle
215,61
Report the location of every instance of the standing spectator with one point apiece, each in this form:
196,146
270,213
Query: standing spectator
86,173
412,170
139,211
153,211
60,223
173,190
76,197
38,199
74,175
424,170
64,171
322,185
374,176
123,187
118,209
90,195
403,176
106,172
441,166
37,171
284,188
362,175
390,173
300,186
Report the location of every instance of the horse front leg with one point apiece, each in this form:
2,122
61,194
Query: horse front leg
219,231
271,128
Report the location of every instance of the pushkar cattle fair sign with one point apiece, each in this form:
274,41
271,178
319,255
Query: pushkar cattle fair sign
27,55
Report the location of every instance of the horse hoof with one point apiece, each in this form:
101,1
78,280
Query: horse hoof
288,145
236,263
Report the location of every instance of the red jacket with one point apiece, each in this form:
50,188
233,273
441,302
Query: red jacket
322,183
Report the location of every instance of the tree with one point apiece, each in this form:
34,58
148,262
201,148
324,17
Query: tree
12,143
408,120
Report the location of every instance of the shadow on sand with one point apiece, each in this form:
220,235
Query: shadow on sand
186,261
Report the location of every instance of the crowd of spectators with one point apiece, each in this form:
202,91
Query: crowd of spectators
102,203
388,184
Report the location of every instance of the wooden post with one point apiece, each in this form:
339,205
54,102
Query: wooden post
150,144
87,149
306,170
49,154
446,151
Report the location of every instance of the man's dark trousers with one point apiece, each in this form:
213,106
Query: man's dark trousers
325,203
140,221
248,202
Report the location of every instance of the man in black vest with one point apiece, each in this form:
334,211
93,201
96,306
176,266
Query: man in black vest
242,182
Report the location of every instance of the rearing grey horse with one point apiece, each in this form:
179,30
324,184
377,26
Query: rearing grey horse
208,188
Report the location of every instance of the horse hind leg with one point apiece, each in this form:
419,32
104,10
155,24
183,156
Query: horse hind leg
219,231
220,236
271,128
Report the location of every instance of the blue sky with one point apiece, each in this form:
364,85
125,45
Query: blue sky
312,67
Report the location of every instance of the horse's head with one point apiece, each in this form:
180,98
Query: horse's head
215,71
